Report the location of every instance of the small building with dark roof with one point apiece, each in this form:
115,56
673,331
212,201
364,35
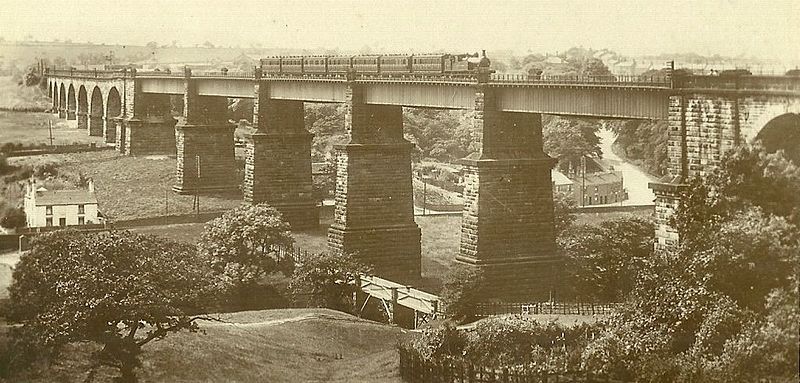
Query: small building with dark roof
45,208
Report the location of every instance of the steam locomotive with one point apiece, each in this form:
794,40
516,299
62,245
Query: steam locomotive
423,63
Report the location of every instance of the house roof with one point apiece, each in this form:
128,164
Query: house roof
65,197
559,178
603,178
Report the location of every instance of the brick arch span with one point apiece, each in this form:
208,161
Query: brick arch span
54,95
96,110
82,108
62,101
758,113
782,133
112,131
71,102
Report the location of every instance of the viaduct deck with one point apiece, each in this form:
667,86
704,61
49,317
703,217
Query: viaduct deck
602,96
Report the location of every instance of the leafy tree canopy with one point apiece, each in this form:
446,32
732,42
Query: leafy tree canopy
606,256
241,243
722,306
328,280
118,289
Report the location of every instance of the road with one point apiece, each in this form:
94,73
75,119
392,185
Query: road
634,179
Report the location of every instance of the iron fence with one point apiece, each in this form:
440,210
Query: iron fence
550,308
415,369
628,80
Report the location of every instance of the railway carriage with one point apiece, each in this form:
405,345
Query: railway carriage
315,64
366,64
426,63
292,64
395,64
271,65
339,64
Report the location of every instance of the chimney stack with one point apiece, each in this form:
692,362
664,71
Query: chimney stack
91,185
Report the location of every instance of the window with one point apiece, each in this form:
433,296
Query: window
80,209
62,222
49,221
49,210
80,220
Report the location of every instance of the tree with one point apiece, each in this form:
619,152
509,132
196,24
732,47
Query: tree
564,209
570,139
328,280
595,67
241,244
606,256
462,291
117,289
11,217
723,305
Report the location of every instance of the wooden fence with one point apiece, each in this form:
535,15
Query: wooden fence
415,369
290,252
538,308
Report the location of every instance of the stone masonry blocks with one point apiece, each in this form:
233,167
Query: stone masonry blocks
374,214
205,155
278,171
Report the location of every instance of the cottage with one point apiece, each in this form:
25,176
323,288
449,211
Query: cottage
44,208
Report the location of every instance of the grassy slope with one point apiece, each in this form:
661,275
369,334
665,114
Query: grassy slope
130,187
13,96
291,345
32,128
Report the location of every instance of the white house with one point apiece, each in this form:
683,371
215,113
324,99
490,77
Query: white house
60,207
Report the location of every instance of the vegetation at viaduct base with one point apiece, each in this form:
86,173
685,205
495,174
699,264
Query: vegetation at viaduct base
120,291
721,307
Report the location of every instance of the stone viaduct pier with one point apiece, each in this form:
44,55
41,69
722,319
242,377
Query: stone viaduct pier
507,221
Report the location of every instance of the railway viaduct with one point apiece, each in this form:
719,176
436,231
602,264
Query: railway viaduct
507,221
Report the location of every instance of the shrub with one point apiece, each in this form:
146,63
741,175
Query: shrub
11,217
327,280
462,291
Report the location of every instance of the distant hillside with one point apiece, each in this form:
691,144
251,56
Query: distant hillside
23,98
20,55
290,345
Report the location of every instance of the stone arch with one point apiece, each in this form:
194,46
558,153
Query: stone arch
62,101
113,131
54,95
96,114
71,103
782,133
83,108
757,113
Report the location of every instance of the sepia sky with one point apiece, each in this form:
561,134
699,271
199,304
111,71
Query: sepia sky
766,29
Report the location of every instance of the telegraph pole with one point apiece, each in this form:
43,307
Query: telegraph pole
50,128
583,182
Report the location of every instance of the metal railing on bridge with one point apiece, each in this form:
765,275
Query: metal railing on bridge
740,82
87,73
619,80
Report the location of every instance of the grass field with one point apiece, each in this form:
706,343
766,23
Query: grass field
130,187
32,128
16,97
290,345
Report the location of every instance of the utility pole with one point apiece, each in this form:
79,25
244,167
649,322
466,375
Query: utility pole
50,128
166,202
583,182
424,196
196,203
